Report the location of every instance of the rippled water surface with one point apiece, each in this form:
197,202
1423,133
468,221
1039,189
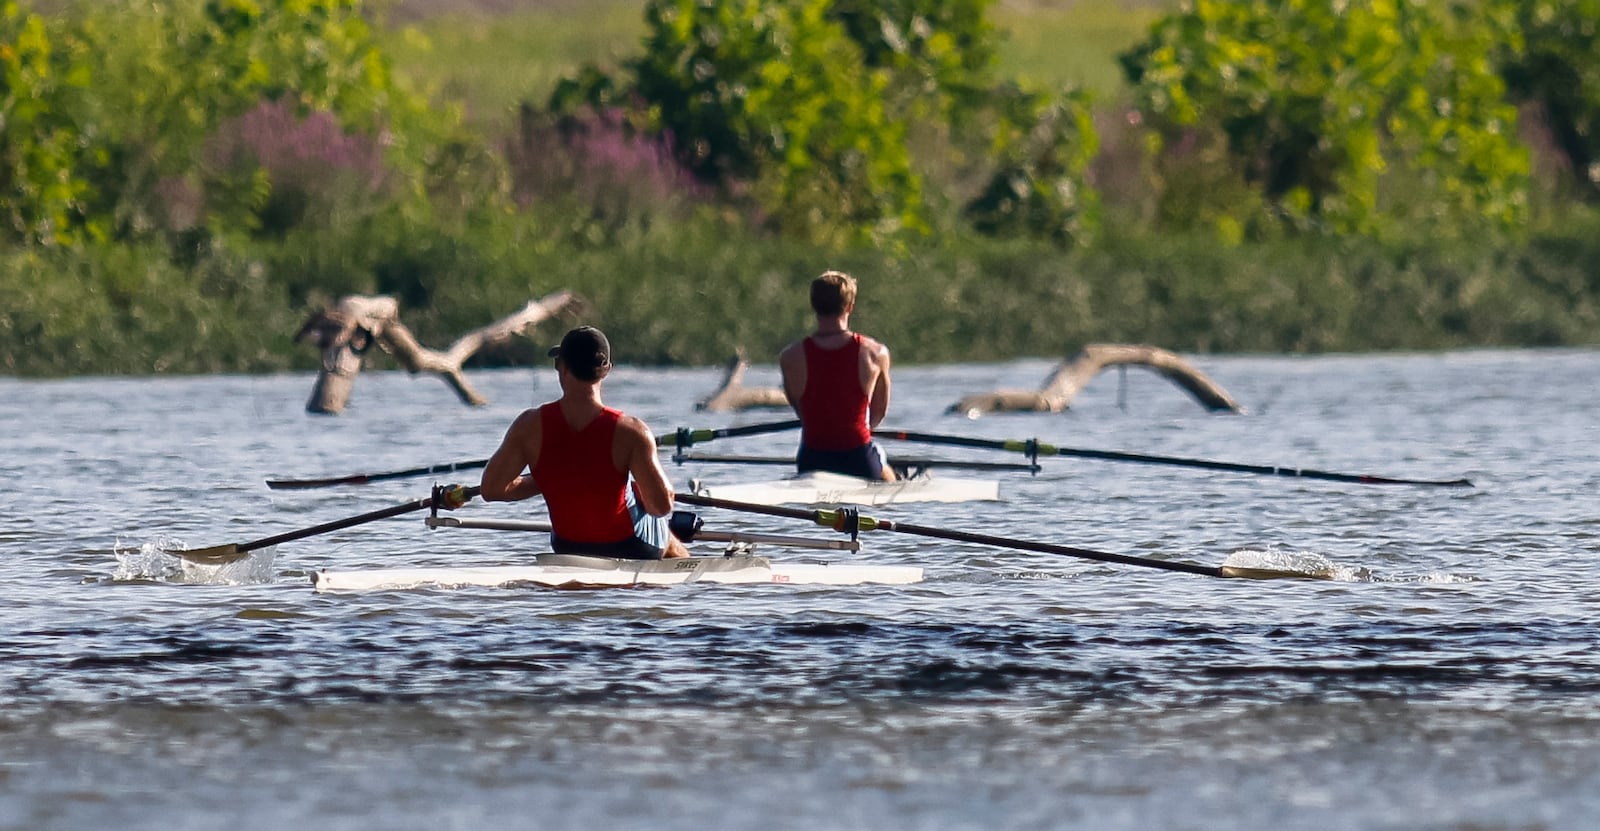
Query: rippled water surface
1447,678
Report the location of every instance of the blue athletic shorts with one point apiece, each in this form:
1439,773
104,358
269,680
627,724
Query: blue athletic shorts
866,461
649,540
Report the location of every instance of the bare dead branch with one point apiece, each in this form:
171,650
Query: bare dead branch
1073,374
732,395
346,331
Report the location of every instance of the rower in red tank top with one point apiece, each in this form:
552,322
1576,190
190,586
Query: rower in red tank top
833,407
590,504
837,381
596,467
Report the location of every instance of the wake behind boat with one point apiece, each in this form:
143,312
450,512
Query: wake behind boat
573,571
820,488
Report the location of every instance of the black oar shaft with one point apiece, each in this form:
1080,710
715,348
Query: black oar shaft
684,438
348,522
955,441
827,519
1272,470
681,438
1048,548
680,458
363,478
1035,448
894,461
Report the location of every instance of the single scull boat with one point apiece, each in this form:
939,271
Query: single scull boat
825,489
571,571
574,571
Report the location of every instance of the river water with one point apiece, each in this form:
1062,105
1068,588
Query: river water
1447,678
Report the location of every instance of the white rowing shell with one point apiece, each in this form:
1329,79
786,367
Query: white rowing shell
569,571
818,488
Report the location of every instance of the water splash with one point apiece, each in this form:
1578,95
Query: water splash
255,568
149,561
1277,563
153,561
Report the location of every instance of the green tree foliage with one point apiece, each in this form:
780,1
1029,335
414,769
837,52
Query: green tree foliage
1042,146
811,108
776,94
1336,116
114,157
1551,56
941,52
43,192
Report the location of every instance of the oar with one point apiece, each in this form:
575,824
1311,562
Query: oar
681,438
363,478
698,535
1035,448
230,552
841,520
684,437
895,462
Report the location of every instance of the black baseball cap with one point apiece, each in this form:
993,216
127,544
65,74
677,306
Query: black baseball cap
585,351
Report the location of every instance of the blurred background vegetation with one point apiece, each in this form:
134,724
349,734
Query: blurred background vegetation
182,181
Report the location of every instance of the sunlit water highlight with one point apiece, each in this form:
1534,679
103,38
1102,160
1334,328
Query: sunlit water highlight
1440,673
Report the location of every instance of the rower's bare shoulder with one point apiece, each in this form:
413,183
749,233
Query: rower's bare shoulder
526,432
527,420
635,428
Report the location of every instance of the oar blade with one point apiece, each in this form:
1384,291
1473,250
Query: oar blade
1271,564
232,552
1438,483
307,484
1249,573
215,555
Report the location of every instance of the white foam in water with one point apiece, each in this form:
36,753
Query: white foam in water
255,567
151,561
1447,577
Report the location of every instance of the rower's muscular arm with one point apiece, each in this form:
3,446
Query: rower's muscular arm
649,480
877,356
792,362
508,476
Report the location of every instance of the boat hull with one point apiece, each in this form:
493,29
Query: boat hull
833,489
569,571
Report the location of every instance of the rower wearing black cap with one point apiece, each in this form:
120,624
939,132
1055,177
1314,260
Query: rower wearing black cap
596,467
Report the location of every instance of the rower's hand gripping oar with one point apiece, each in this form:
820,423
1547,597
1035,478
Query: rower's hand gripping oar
452,496
1035,448
851,521
682,438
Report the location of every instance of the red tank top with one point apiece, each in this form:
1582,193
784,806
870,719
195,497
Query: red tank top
586,494
833,408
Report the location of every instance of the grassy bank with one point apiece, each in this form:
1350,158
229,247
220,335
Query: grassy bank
693,294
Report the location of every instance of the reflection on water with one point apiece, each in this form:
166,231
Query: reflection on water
1439,672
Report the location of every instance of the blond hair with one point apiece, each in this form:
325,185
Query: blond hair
833,293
